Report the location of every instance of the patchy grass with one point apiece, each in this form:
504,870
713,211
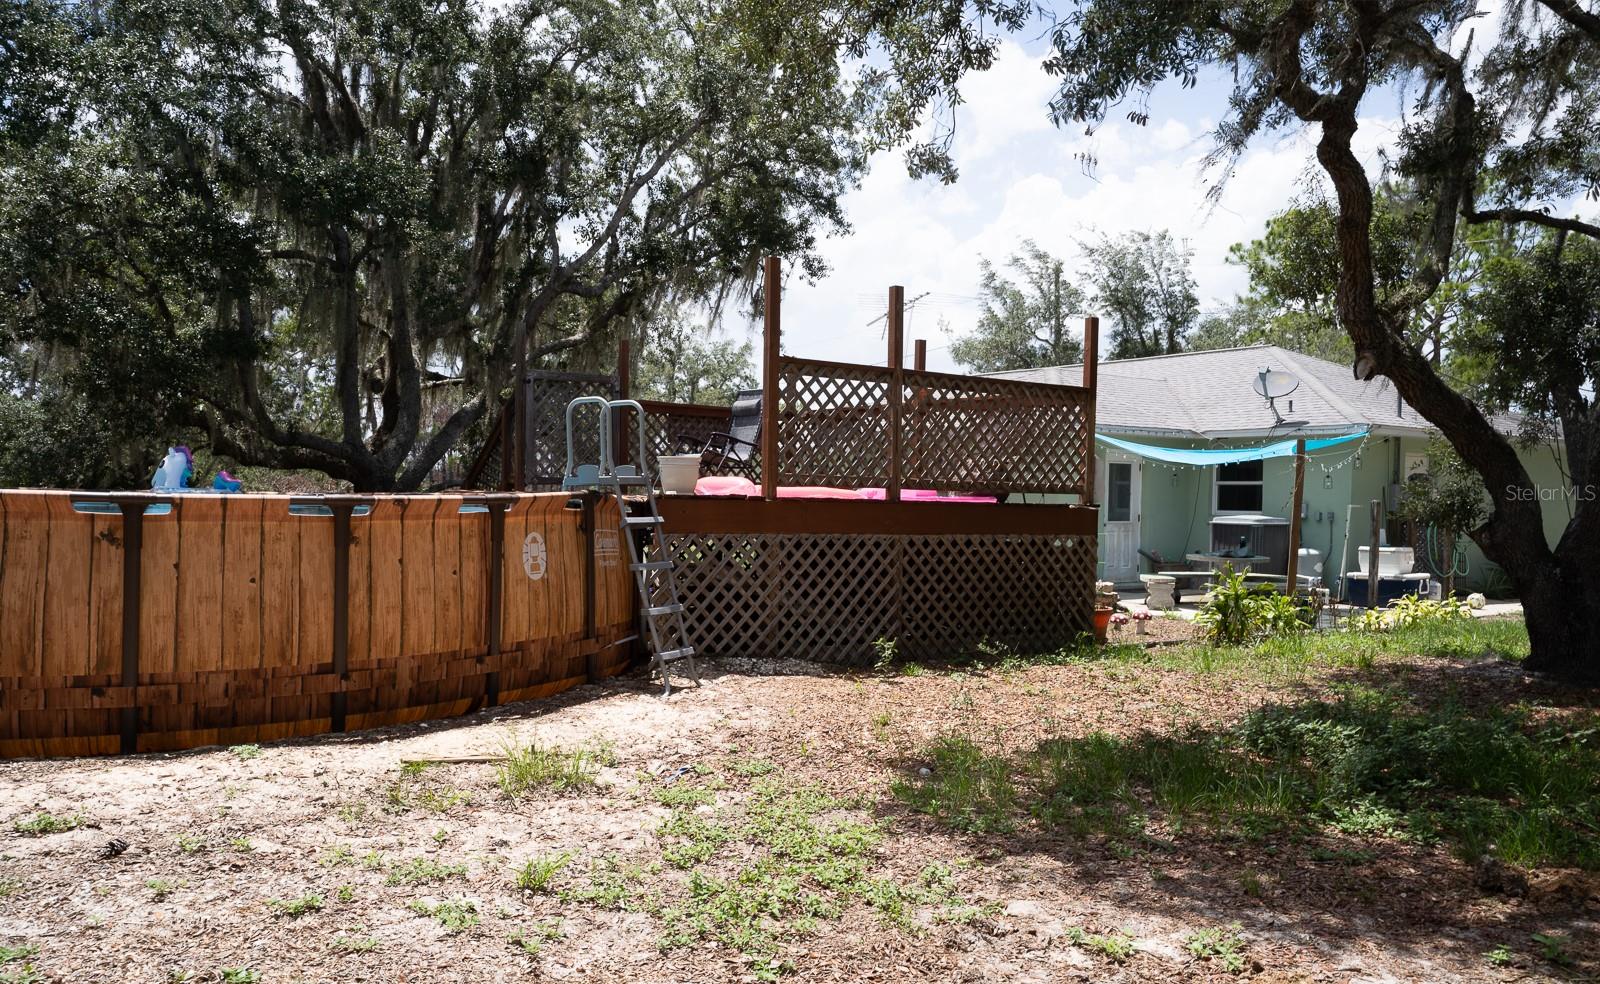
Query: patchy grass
962,785
533,767
1224,947
1115,947
422,871
160,888
344,943
685,794
532,939
245,753
41,824
295,908
536,873
751,768
1364,764
455,915
1290,657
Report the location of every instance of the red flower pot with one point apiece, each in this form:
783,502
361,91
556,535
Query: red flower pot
1102,621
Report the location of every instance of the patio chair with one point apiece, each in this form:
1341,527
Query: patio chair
732,452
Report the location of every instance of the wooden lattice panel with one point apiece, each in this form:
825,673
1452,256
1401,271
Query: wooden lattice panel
545,457
833,423
975,433
827,597
666,424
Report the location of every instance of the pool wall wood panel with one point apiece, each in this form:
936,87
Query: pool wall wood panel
236,606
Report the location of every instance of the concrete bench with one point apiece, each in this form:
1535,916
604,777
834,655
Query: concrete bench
1177,580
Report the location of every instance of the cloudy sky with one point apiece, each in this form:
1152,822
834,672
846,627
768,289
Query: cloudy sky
1023,178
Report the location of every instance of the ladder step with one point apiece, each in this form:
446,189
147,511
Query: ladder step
642,520
672,655
671,609
652,565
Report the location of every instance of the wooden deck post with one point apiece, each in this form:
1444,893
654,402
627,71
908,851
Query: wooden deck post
1294,515
772,287
919,358
519,410
1091,372
897,370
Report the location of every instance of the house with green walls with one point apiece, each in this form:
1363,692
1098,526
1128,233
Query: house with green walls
1208,400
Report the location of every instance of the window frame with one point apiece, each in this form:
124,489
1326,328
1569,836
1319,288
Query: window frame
1259,484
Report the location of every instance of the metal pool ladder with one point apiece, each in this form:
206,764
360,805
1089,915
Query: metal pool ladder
649,561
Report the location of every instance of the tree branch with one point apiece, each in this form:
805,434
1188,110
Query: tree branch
1532,217
1569,11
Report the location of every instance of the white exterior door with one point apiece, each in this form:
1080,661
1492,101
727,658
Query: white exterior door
1119,518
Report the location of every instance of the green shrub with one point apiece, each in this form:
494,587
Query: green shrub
1239,611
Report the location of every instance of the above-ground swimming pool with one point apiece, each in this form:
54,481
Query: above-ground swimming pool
142,622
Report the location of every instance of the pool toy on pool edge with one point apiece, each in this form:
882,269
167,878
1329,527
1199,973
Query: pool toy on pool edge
175,471
225,482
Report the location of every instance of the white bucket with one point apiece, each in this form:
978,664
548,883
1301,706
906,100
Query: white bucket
679,472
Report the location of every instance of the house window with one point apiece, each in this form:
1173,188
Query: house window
1119,491
1238,487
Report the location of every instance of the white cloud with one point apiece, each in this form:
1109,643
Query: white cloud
1023,178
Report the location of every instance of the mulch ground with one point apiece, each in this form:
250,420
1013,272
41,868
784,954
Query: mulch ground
212,836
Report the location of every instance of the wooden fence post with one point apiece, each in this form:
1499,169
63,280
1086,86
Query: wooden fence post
897,371
1294,516
519,410
919,357
1091,371
771,290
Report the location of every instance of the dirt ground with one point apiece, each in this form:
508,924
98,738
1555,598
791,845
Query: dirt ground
214,835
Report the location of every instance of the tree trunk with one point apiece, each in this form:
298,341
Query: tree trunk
1561,606
1559,588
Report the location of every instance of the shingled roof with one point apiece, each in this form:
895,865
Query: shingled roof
1208,394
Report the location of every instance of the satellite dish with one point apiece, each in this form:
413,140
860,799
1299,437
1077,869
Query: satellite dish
1270,384
1273,383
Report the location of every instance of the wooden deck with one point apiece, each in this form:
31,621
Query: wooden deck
826,579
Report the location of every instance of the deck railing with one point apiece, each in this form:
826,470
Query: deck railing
840,424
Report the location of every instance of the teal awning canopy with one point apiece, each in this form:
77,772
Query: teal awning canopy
1224,456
